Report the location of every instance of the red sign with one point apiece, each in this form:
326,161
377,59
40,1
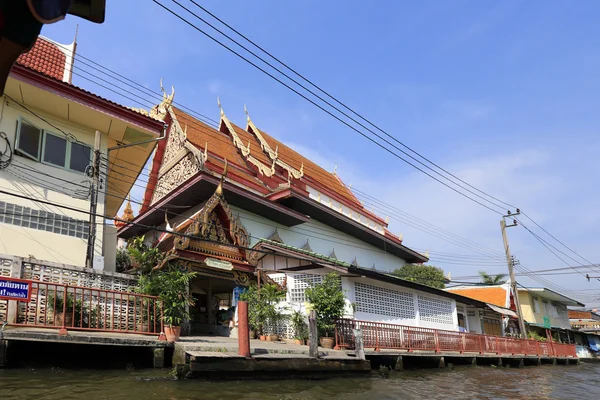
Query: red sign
15,289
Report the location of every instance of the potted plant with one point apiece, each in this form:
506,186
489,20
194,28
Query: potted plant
172,289
255,312
55,302
271,296
300,328
327,299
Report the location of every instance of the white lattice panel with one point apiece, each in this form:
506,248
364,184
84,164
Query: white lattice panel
300,283
284,329
382,301
460,309
75,277
435,310
279,278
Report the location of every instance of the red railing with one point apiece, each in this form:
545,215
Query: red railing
379,335
79,308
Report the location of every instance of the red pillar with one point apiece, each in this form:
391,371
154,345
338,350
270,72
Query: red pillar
243,329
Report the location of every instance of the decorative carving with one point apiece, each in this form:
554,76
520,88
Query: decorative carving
208,224
307,247
332,255
275,237
269,281
241,278
175,143
160,110
273,155
182,171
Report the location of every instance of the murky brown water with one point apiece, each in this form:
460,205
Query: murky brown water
546,382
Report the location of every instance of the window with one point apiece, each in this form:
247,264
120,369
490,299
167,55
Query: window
536,305
80,157
300,283
55,150
29,140
50,148
42,220
382,301
435,310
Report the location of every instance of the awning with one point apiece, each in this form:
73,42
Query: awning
502,310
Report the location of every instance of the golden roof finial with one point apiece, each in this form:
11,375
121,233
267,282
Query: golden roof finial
400,236
127,214
219,190
247,115
387,219
335,168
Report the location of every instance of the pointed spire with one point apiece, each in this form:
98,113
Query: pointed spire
354,262
246,112
220,108
333,255
275,237
306,246
335,167
387,219
127,215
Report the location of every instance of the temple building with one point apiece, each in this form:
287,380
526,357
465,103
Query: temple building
231,202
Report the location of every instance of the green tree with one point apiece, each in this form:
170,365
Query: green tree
327,299
424,274
498,279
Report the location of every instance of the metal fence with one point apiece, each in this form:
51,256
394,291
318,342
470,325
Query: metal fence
68,307
379,335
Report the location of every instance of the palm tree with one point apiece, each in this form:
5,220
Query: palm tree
487,279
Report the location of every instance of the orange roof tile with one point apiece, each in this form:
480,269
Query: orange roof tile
255,149
492,295
314,172
199,134
45,57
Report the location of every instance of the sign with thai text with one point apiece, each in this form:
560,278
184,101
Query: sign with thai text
219,264
15,289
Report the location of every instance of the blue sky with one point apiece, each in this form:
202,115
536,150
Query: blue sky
503,94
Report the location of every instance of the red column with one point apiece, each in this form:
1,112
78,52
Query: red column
243,329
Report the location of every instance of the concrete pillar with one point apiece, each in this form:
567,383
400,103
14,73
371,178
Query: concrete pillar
399,366
15,272
474,361
358,344
158,357
442,363
243,329
313,335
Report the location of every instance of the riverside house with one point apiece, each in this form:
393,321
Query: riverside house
542,308
248,203
50,125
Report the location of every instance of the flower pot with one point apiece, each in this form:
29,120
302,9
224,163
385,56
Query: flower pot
263,337
298,341
273,337
252,335
327,342
172,333
68,319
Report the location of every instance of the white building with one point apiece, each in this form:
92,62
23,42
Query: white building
245,201
50,125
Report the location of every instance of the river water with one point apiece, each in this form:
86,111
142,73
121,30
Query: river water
545,382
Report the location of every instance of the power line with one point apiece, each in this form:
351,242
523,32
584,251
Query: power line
338,101
325,110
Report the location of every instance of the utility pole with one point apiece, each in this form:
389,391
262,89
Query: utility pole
89,259
511,272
